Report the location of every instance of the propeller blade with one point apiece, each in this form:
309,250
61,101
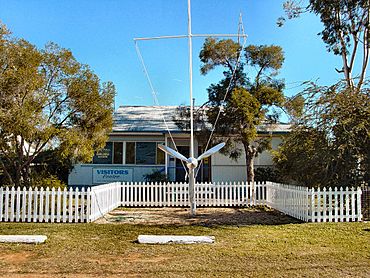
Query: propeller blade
173,153
211,151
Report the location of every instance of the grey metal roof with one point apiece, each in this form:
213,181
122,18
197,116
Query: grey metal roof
144,119
150,119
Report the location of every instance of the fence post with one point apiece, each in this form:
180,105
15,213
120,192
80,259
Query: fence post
1,204
359,209
88,204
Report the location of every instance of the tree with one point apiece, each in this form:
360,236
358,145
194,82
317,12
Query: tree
241,105
330,142
48,100
346,32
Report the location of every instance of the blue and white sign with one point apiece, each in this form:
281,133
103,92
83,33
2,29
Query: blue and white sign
106,175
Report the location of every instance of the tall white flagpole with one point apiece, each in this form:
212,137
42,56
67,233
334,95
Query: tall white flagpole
191,162
191,170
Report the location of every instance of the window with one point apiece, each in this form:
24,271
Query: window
144,153
104,156
130,152
117,153
160,155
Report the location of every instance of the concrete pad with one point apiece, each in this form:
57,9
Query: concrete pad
168,239
23,238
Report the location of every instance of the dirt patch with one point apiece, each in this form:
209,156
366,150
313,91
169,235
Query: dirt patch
15,258
204,216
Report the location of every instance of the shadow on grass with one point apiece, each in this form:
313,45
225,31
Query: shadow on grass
204,217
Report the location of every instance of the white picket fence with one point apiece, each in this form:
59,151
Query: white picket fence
50,205
44,205
207,194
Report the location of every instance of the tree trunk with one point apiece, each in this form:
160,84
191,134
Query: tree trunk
250,153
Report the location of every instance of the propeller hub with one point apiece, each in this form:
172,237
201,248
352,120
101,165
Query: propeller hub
192,163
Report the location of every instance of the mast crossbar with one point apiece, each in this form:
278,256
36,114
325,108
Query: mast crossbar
192,35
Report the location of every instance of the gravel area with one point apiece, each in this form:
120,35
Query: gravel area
204,216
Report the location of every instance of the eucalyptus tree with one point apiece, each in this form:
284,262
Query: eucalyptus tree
330,143
241,105
346,32
48,100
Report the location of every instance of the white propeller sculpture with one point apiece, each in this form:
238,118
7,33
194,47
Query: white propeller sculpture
191,163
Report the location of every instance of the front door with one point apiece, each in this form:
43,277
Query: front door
204,169
180,171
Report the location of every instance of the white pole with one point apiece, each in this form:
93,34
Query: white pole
191,171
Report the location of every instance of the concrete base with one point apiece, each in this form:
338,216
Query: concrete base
23,238
167,239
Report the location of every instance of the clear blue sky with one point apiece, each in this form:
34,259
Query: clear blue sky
100,34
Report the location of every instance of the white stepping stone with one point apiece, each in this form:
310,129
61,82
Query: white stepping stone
167,239
23,238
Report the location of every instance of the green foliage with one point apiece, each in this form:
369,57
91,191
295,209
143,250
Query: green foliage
265,57
51,162
47,182
330,144
218,53
48,100
331,141
156,176
266,174
346,32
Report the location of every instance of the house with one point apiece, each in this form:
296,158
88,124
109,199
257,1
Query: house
131,151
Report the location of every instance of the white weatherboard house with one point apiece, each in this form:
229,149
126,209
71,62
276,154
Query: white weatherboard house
131,151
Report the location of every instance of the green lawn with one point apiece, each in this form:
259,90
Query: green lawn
109,250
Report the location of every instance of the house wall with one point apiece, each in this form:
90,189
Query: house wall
222,167
226,169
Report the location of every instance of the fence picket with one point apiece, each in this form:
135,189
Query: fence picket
359,211
70,205
47,204
64,212
12,197
330,205
353,207
77,211
347,196
41,207
18,205
52,205
35,204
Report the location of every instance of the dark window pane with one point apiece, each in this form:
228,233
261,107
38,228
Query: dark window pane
104,156
118,152
145,152
160,155
130,152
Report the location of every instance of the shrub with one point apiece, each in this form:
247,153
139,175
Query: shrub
50,181
156,176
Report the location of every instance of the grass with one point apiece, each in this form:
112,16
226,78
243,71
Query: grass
110,250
